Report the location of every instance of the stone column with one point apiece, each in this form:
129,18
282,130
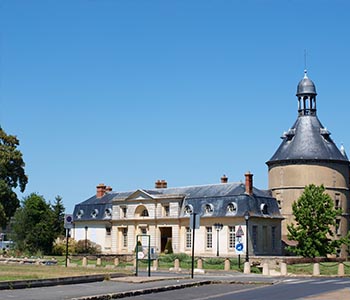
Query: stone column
316,269
200,263
116,261
283,266
84,262
341,271
155,264
177,264
227,265
246,267
266,270
98,261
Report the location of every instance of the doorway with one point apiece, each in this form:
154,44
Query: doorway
165,236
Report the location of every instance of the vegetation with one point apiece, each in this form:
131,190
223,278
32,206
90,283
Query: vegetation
12,176
315,218
168,247
36,224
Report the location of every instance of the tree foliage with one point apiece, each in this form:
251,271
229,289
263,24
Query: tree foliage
58,217
315,218
12,175
36,224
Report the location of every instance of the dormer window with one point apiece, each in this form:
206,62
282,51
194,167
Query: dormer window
325,133
188,209
231,208
94,213
208,209
264,209
80,213
108,213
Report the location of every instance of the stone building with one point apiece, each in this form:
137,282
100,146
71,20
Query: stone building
114,219
308,155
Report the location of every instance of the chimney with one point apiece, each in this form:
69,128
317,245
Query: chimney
224,179
100,190
161,184
248,183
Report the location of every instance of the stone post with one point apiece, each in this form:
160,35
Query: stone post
155,264
98,261
283,266
316,269
177,264
341,271
266,270
200,263
246,267
84,262
227,265
116,261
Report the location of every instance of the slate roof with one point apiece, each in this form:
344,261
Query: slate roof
217,195
307,140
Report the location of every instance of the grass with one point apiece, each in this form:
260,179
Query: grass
30,272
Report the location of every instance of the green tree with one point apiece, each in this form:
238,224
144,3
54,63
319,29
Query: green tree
32,226
12,175
58,217
315,218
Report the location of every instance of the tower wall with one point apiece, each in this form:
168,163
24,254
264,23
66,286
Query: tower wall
288,180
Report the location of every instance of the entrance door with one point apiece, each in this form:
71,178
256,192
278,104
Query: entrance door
165,235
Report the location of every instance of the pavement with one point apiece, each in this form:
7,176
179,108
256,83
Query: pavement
128,286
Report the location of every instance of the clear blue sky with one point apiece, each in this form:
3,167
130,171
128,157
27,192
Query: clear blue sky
128,92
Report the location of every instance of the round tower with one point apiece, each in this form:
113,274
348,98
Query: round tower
308,155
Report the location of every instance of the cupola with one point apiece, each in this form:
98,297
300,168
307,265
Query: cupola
306,93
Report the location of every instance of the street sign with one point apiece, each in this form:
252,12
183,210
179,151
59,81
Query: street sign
68,221
239,232
239,248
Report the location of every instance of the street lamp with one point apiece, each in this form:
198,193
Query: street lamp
86,229
218,227
246,217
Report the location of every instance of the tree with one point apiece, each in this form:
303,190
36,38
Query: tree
32,226
58,217
12,175
315,218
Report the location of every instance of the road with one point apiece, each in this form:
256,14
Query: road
283,288
288,289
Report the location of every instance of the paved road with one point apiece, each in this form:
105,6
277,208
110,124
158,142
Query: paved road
288,289
283,288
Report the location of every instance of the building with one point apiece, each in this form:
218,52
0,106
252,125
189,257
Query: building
308,155
114,219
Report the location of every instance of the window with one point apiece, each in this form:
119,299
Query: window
143,230
265,238
125,237
188,237
208,209
209,239
337,227
231,237
124,211
273,237
94,213
166,211
144,213
108,230
188,209
232,208
337,201
80,213
108,213
255,236
263,208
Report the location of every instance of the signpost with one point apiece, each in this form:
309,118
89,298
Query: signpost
239,247
68,224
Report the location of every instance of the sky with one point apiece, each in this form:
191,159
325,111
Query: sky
129,92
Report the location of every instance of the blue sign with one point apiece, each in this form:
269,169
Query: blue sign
239,247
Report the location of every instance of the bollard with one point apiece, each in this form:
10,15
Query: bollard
341,271
84,262
116,261
283,269
176,264
246,267
98,261
266,271
155,264
227,265
200,263
316,269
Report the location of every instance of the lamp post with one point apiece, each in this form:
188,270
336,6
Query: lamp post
246,217
86,229
218,227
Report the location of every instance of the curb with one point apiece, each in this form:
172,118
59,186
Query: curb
23,284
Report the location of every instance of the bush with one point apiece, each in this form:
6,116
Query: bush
87,247
59,246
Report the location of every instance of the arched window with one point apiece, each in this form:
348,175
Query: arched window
94,213
144,213
80,213
141,211
264,209
188,209
208,209
108,213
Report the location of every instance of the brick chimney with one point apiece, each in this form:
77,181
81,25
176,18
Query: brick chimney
100,190
248,183
161,184
224,179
